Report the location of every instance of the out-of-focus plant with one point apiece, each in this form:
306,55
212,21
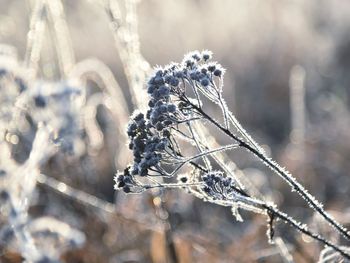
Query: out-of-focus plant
41,117
45,116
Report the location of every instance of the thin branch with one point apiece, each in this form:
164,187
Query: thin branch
89,200
313,203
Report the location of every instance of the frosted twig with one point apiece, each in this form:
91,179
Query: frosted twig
313,203
62,37
127,43
90,200
35,36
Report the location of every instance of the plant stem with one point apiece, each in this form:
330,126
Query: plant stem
311,200
303,229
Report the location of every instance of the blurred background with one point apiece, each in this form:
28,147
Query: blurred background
287,81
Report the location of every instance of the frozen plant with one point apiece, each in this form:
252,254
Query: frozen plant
165,142
57,106
44,117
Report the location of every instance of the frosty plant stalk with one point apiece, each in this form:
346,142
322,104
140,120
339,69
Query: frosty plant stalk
166,144
45,116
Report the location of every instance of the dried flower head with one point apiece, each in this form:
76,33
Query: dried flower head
151,134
